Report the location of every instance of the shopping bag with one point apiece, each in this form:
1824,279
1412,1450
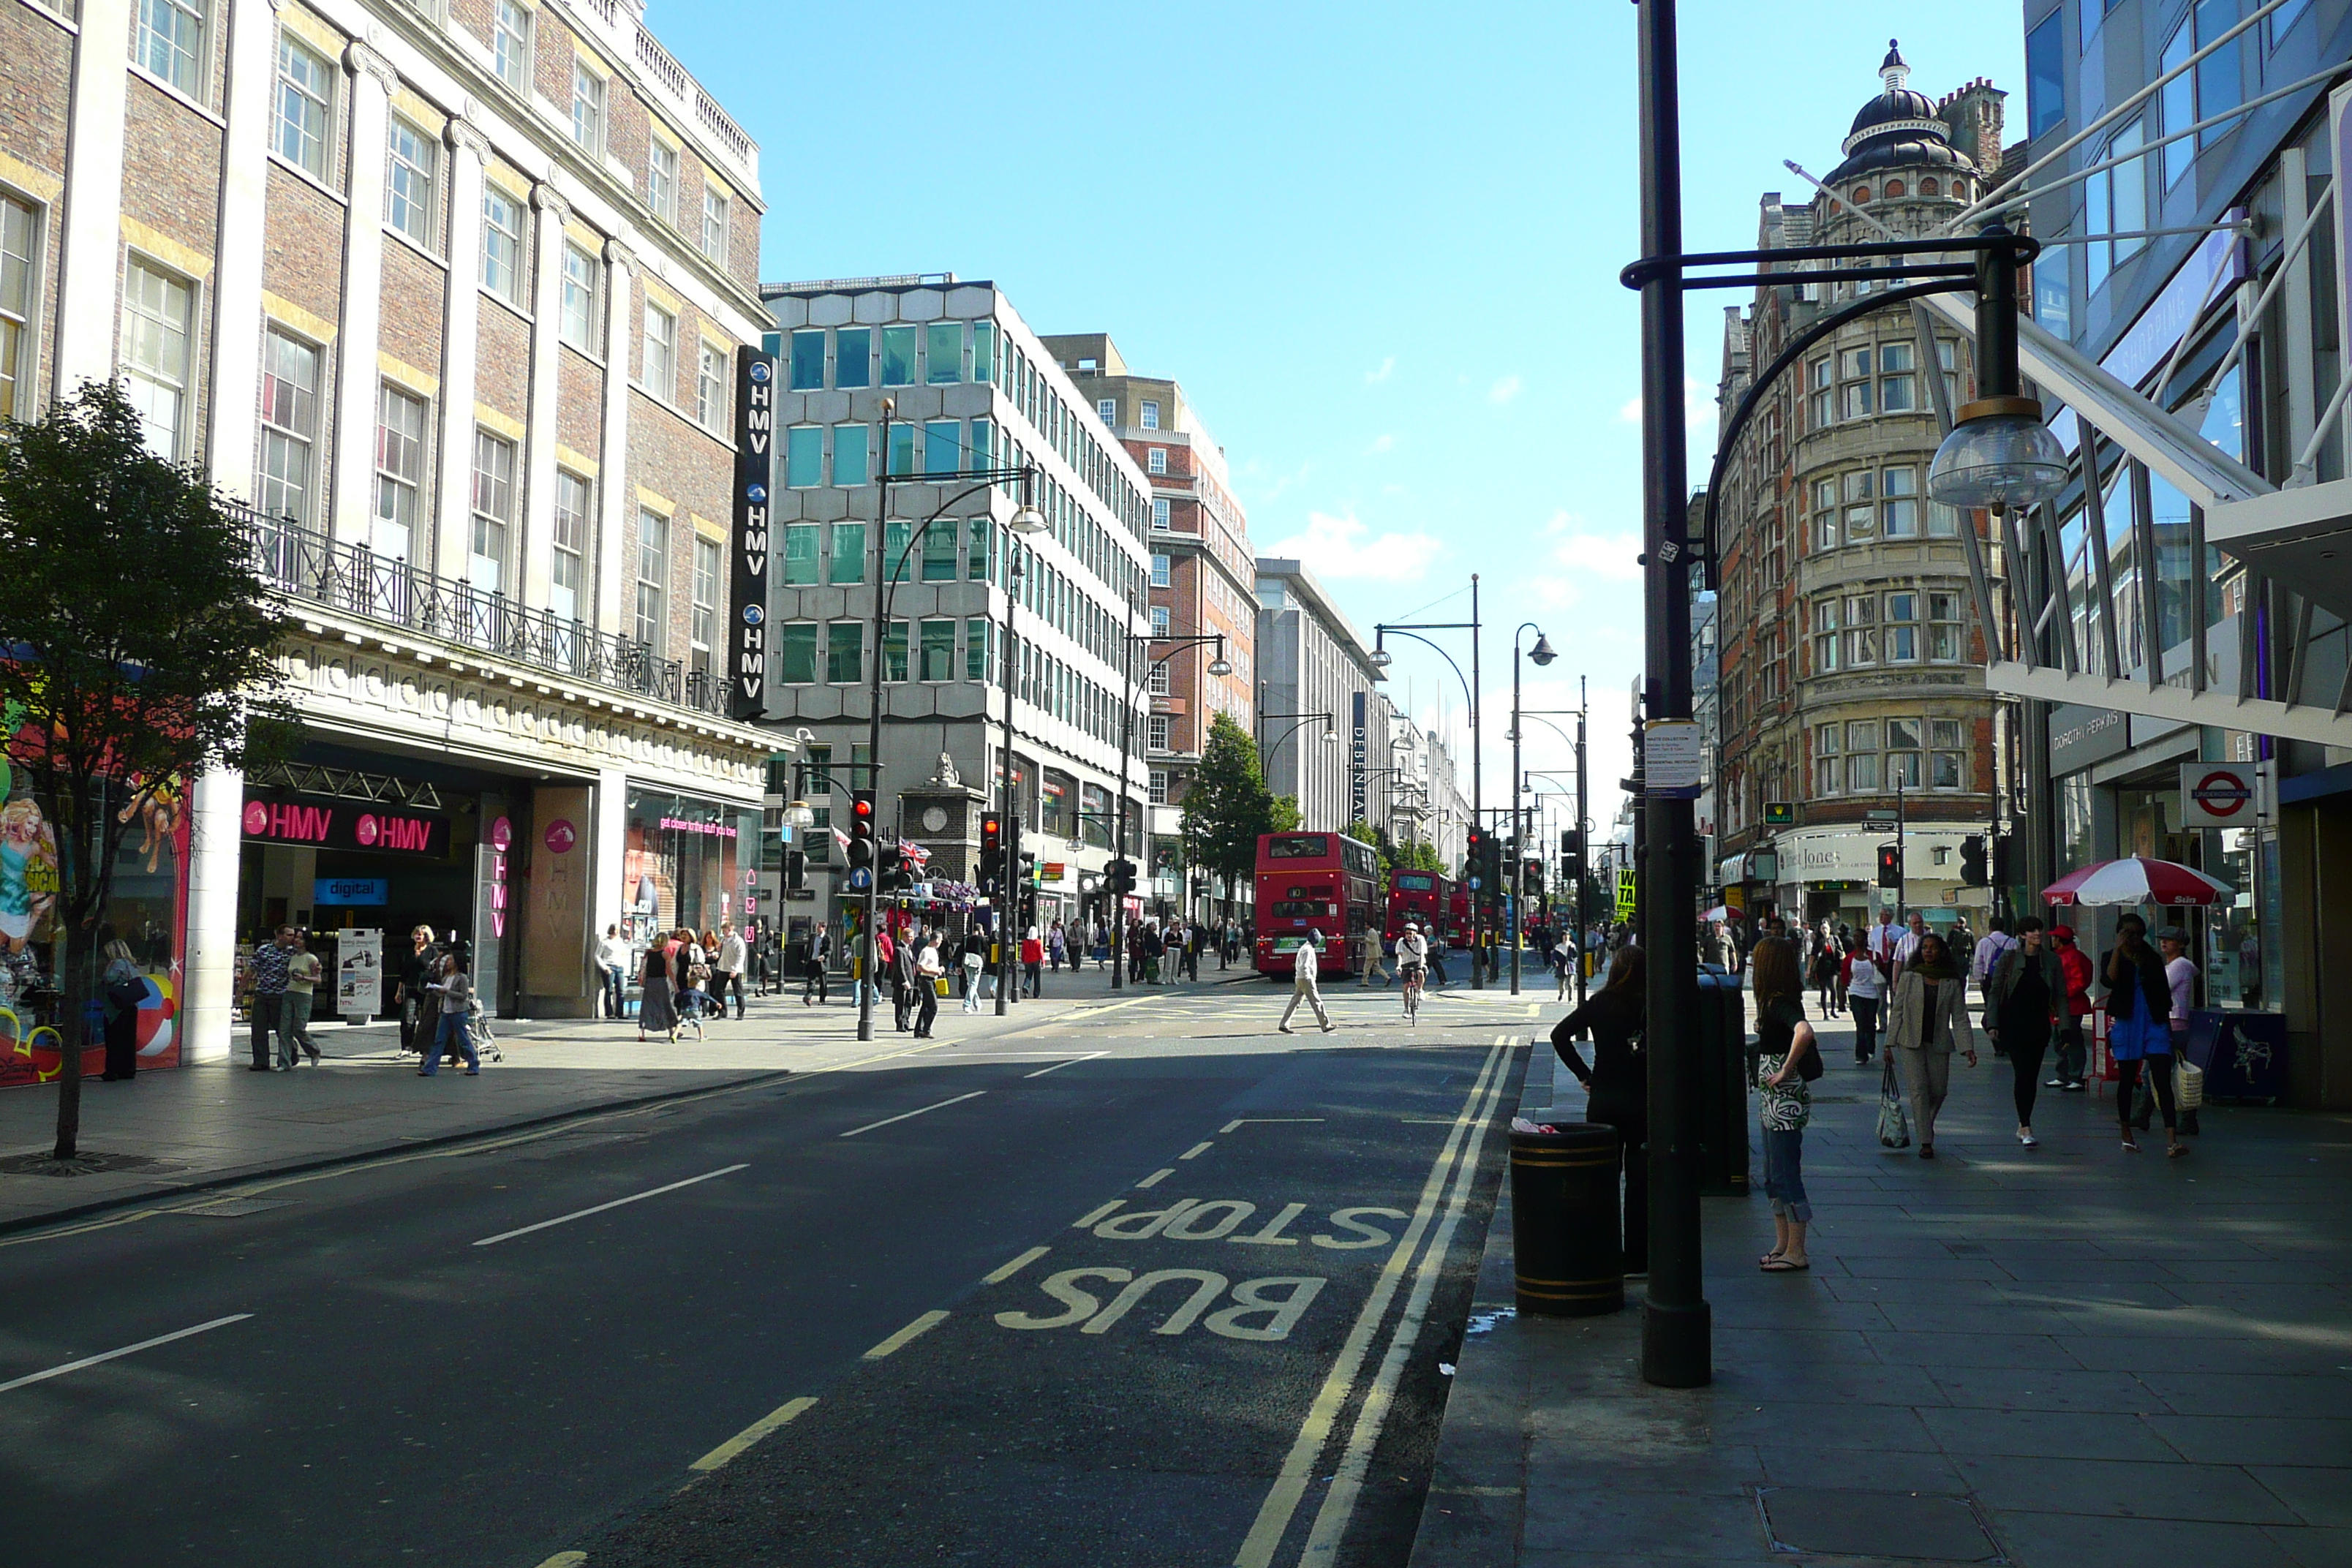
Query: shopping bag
2188,1084
1893,1122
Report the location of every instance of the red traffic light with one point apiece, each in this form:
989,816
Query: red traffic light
862,808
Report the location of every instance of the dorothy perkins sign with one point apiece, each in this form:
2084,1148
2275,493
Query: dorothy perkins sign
755,428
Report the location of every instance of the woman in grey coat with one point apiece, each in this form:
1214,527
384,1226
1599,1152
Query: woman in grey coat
1927,1021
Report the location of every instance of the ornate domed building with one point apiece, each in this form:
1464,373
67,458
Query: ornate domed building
1850,655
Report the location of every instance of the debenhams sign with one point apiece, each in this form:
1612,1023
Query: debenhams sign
755,427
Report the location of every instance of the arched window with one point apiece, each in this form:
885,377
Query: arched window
1861,194
1927,188
1893,190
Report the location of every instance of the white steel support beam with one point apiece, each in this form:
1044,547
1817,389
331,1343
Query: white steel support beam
2301,721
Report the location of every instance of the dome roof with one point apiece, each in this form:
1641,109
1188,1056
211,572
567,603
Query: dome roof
1898,128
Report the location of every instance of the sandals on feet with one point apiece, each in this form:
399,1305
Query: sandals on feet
1782,1266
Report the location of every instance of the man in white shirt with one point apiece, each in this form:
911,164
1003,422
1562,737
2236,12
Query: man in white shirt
1304,966
733,959
1907,943
1412,953
613,969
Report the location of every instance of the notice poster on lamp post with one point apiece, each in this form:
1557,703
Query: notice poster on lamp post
359,973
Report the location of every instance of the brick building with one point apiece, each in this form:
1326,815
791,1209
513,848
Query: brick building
1849,657
1202,583
451,294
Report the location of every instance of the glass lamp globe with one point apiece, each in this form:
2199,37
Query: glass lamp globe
1381,658
1221,667
1999,454
800,814
1541,653
1028,519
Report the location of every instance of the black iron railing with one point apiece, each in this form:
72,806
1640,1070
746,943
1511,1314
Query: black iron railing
303,563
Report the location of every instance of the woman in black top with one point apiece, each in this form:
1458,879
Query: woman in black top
1618,1083
2022,997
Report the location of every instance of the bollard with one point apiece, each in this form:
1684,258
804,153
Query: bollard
1566,1252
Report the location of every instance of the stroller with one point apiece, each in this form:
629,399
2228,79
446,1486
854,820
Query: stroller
486,1044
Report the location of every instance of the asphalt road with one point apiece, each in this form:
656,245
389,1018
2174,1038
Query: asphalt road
1150,1286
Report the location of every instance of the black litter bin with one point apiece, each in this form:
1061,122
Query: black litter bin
1721,1082
1566,1251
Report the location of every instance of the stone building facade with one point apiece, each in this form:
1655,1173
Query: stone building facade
1313,660
1850,655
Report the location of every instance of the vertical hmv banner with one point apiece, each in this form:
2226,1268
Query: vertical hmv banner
755,450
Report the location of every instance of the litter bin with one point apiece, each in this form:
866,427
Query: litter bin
1722,1084
1566,1252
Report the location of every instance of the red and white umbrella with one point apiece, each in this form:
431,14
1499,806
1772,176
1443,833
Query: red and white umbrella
2137,880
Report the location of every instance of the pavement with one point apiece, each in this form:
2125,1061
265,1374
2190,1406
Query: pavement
2063,1357
1133,1281
213,1123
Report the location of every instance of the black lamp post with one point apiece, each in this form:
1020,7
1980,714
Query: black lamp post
1541,655
1218,666
1381,658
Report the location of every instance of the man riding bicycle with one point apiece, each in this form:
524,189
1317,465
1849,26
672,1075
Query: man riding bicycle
1412,960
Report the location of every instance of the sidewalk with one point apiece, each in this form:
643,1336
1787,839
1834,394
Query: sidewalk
2063,1357
213,1123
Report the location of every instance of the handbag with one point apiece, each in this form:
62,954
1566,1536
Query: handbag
2188,1084
1893,1122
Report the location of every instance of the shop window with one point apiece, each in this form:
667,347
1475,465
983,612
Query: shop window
683,862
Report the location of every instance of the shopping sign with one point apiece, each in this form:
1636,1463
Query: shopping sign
2220,794
1625,886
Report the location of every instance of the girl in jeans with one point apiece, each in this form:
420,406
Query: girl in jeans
1784,1104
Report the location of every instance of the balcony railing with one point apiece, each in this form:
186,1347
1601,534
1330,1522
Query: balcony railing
307,565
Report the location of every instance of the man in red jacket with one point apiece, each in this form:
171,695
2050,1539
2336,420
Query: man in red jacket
2072,1052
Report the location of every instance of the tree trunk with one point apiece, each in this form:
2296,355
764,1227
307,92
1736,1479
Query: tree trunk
73,1031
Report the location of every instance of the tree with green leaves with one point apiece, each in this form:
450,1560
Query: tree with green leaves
1227,807
1418,855
140,653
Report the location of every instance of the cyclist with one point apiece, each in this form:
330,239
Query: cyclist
1412,963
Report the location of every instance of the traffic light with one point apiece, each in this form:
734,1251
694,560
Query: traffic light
795,868
1571,853
1118,877
1028,868
1890,865
1973,870
861,829
2004,860
992,848
1531,876
890,869
1474,855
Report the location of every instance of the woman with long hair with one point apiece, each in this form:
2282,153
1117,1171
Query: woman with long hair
2139,1028
2023,994
654,1008
1927,1021
1783,1103
1617,1083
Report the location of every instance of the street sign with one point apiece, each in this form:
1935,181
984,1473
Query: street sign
860,878
1625,889
1780,814
1880,818
2217,794
1674,761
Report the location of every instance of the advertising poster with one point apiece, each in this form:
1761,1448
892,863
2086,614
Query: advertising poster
359,972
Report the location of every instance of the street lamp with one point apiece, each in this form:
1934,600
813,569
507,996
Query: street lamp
1218,666
1999,453
1542,654
1026,520
1381,658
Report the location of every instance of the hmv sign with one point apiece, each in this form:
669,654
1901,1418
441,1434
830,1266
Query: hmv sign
345,825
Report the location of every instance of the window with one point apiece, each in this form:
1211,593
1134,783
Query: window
1902,630
408,183
1157,738
493,500
588,109
897,356
796,653
1159,512
170,41
399,472
502,245
1853,395
702,619
1160,620
715,207
801,555
898,541
808,361
2178,102
1828,766
1899,502
156,353
945,354
901,454
1825,636
1943,627
510,48
1159,785
1903,753
942,445
710,386
1819,392
982,449
1825,522
289,425
1860,516
803,456
1150,419
983,539
19,263
848,553
577,321
853,357
306,93
652,579
660,376
2220,84
1159,571
845,653
851,463
979,638
1161,681
1107,410
2115,201
1897,390
1156,460
937,650
661,180
984,351
1861,633
2045,74
939,554
1947,360
571,501
894,652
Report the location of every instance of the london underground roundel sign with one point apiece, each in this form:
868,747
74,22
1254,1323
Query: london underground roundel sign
2217,795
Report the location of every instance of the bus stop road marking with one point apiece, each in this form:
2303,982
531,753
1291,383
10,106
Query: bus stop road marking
1263,1121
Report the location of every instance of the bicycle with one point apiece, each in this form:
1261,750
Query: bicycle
1413,988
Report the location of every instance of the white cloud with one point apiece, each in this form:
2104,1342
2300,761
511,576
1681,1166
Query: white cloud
1504,390
1698,405
1339,547
1382,443
1388,368
1610,556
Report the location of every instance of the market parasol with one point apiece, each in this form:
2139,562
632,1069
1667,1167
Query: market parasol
1721,912
2137,880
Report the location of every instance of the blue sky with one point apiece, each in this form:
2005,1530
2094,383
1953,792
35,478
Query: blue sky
1378,244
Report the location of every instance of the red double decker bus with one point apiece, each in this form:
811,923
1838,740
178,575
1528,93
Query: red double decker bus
1316,881
1426,897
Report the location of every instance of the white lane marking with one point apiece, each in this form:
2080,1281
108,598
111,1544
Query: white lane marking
790,1410
126,1349
1299,1466
903,1115
1086,1219
1197,1150
1057,1067
1263,1121
1158,1176
1338,1506
616,1202
920,1326
1000,1274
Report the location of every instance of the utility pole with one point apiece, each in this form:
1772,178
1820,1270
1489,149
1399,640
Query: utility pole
1583,846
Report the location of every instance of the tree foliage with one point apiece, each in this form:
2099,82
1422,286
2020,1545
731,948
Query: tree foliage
1227,805
139,652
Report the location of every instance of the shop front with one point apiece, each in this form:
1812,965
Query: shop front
689,863
1832,874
